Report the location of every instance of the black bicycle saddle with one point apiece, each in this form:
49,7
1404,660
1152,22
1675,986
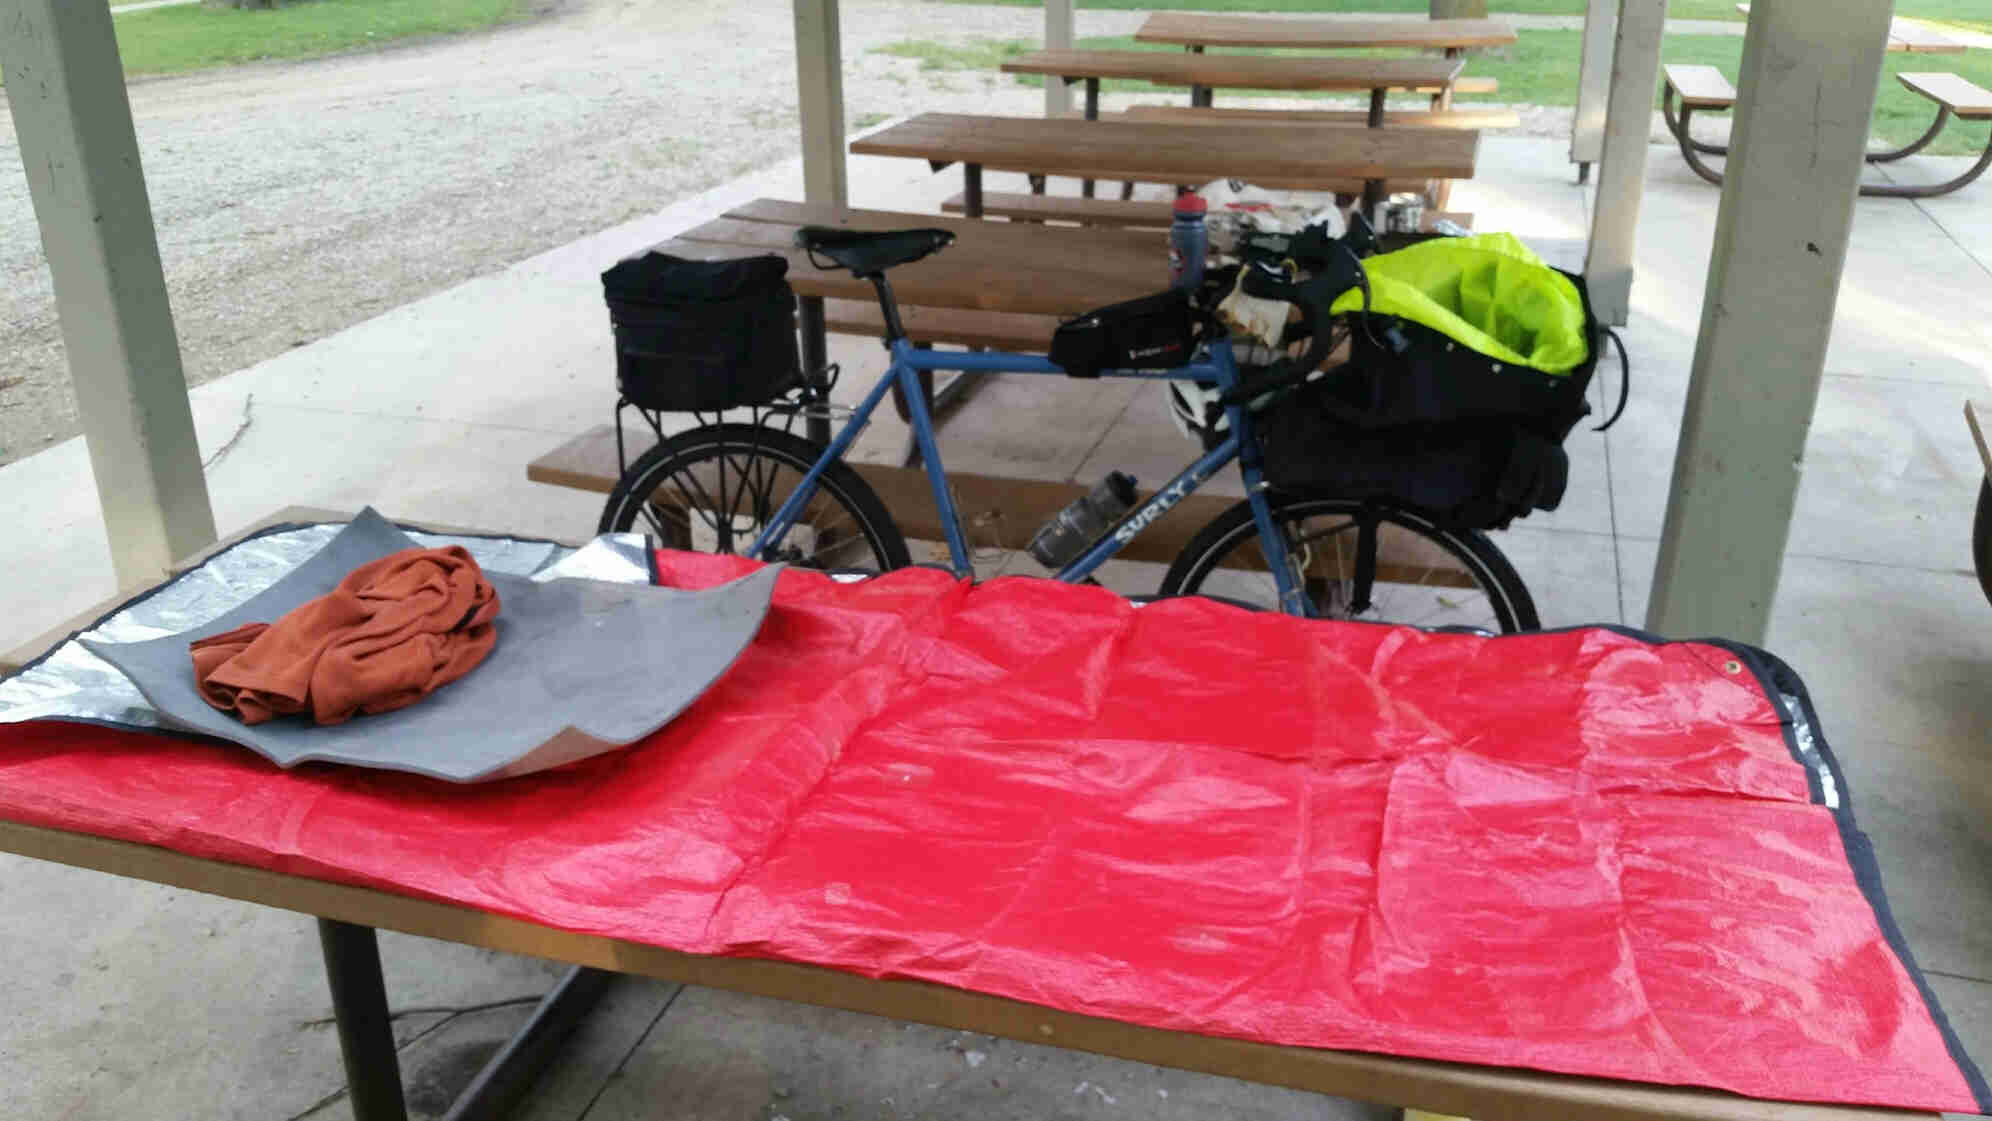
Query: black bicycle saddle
869,254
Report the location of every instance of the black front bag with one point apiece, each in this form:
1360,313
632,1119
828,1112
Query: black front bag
1152,333
696,336
1418,419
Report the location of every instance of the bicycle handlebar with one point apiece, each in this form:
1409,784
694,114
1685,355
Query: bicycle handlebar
1335,266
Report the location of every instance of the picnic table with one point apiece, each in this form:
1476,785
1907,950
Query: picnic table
348,917
1208,29
1704,88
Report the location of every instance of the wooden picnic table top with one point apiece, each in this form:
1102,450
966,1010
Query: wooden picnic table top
993,266
1209,29
1907,35
1235,71
1278,155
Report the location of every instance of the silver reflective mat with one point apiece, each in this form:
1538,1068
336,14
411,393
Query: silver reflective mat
70,683
581,667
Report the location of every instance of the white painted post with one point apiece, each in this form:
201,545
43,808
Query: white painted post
1057,36
1622,166
1594,86
1804,102
65,88
819,79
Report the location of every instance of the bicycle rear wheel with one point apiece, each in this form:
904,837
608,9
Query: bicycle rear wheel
713,489
1426,576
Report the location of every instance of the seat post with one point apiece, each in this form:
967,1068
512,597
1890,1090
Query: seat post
889,306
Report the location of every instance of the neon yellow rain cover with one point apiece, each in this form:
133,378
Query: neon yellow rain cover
1489,292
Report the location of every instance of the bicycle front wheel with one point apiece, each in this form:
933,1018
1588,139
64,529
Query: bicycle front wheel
1426,576
714,489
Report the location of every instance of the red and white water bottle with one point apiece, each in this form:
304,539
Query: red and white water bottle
1189,241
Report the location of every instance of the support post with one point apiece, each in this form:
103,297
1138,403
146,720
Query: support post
1057,37
1594,78
65,88
1805,98
1622,169
819,79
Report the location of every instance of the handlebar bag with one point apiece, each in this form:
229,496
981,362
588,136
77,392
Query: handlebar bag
1469,327
695,336
1151,333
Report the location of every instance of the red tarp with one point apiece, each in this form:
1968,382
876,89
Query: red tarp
1577,851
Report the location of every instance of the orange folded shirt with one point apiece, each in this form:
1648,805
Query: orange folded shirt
391,633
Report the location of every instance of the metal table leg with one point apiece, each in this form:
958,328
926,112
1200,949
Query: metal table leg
1200,96
815,356
1373,188
1092,114
971,190
510,1073
366,1031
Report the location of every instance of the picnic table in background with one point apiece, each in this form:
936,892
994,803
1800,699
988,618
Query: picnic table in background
1377,76
1209,29
1704,88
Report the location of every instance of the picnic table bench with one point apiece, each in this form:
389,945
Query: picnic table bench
1205,72
1275,155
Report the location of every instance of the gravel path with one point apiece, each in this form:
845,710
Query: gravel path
296,199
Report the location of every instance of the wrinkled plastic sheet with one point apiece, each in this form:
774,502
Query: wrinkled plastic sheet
1582,851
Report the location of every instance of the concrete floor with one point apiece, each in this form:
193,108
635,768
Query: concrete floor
129,1000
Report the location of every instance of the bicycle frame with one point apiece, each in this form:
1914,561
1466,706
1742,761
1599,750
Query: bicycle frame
909,361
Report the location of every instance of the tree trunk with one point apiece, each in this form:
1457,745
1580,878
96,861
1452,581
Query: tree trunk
1459,9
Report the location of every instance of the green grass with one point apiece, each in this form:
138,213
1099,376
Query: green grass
1540,69
1959,13
195,36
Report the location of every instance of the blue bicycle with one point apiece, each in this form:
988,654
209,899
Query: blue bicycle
760,490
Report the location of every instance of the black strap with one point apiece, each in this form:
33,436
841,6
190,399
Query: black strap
1625,379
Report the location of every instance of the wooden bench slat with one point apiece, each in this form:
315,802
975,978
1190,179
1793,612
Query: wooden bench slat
1465,83
1395,118
1908,35
936,283
1213,30
998,330
1221,71
795,214
1150,213
1145,151
1963,97
996,512
1699,86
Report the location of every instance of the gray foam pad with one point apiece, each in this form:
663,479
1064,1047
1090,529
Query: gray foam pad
581,667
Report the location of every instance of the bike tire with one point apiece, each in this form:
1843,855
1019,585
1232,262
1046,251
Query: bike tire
849,526
1202,566
1981,538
